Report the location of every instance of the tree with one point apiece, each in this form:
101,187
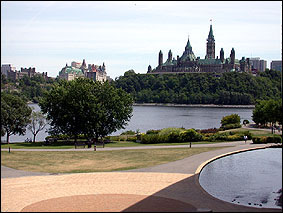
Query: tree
38,123
15,114
268,111
231,121
109,112
259,115
83,106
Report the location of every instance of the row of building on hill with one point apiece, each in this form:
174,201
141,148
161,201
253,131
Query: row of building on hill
76,70
10,72
188,62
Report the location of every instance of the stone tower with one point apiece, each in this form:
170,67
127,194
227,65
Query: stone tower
210,45
149,68
222,55
170,55
160,58
232,56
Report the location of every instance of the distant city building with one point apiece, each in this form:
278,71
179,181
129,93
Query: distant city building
7,68
257,64
13,74
76,70
276,65
188,62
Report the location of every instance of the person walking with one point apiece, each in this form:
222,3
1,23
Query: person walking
245,138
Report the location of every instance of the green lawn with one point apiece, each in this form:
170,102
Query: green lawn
39,145
72,162
254,132
58,145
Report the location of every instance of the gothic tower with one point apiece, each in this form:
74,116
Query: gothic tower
149,69
222,55
210,45
232,56
170,55
160,59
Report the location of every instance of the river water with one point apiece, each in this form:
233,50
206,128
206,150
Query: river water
252,178
157,117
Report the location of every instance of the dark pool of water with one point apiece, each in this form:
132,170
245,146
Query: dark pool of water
252,178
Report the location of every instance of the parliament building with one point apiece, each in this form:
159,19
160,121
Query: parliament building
188,62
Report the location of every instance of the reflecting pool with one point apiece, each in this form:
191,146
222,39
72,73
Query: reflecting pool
252,178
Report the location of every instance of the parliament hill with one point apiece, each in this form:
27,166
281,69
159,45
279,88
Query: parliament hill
189,63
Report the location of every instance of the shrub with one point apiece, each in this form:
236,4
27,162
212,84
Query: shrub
113,138
230,119
133,138
129,132
204,131
244,133
151,131
234,138
167,131
230,126
150,139
267,139
174,137
190,135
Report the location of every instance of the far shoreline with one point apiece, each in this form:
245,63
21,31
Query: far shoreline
196,105
187,105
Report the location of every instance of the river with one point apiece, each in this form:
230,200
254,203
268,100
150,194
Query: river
158,117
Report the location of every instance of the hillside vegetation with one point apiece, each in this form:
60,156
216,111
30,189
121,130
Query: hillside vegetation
201,88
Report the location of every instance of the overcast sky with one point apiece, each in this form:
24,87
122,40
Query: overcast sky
129,35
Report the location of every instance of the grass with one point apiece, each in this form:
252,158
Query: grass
39,145
58,145
100,161
253,132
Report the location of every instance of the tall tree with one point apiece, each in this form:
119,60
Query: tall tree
15,115
268,111
83,106
38,123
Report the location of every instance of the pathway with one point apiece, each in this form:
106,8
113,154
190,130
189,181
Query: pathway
168,187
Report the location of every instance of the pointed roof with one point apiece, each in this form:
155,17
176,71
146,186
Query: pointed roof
210,35
188,54
188,46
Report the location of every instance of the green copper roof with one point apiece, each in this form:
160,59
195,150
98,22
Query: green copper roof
210,61
170,63
188,54
188,46
72,70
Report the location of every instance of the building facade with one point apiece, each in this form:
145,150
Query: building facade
188,62
76,70
258,65
13,74
276,65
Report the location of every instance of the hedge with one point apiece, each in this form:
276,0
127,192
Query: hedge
267,139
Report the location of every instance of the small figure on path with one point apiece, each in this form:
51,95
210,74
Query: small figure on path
245,138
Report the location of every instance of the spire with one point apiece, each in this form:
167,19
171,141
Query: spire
188,46
210,35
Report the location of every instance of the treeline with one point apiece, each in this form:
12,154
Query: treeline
201,88
29,89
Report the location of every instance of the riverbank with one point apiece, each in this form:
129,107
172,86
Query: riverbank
196,105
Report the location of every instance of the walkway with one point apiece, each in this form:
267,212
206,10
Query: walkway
168,187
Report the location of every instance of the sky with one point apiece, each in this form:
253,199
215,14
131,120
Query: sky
129,34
